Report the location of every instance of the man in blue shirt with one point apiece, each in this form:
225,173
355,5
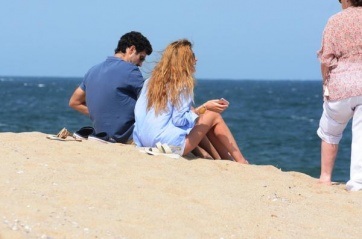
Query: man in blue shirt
109,90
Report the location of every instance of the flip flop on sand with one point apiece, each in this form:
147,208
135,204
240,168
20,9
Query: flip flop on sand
162,149
62,136
167,149
155,151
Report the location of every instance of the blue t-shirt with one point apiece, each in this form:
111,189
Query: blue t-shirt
112,88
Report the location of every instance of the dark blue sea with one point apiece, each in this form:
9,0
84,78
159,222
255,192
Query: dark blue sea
274,122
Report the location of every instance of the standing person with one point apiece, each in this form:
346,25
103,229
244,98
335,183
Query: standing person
164,110
109,90
341,67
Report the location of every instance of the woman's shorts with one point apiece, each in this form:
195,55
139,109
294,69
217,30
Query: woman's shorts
335,117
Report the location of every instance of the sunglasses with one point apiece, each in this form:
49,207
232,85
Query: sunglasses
340,1
142,58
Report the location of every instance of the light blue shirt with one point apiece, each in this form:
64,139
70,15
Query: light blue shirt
170,127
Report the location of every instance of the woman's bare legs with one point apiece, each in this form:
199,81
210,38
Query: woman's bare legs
328,157
201,153
211,121
208,146
222,151
205,150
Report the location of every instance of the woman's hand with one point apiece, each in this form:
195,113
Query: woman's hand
217,106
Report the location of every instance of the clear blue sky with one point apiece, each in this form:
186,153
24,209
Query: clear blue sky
233,39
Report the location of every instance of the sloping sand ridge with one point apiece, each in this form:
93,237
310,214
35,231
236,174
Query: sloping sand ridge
69,189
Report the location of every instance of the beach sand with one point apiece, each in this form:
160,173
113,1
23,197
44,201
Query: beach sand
70,189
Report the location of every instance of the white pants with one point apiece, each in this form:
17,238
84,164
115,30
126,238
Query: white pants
335,117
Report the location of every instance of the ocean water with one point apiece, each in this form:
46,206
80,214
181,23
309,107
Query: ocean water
274,122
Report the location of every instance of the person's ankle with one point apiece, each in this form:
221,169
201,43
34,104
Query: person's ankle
326,180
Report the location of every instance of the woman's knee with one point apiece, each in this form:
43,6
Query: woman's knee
216,117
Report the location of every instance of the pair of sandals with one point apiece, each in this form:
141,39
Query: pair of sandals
88,133
82,134
162,149
62,136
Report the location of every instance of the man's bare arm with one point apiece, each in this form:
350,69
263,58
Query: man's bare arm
77,101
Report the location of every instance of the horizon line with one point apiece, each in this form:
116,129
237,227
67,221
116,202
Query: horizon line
200,78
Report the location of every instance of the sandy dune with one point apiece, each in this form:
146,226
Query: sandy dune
69,189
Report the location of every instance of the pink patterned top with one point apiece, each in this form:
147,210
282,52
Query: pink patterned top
342,52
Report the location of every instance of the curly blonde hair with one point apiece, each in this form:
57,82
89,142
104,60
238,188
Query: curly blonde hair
172,78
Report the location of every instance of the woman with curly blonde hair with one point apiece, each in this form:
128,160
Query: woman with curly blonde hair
164,111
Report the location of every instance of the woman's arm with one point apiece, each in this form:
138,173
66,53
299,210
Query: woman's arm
184,115
217,106
325,73
325,76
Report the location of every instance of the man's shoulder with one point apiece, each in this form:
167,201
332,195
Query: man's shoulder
117,62
114,67
96,66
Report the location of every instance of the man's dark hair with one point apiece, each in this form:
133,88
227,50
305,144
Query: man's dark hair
134,39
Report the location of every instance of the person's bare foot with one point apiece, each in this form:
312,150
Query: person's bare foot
243,161
201,153
324,182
